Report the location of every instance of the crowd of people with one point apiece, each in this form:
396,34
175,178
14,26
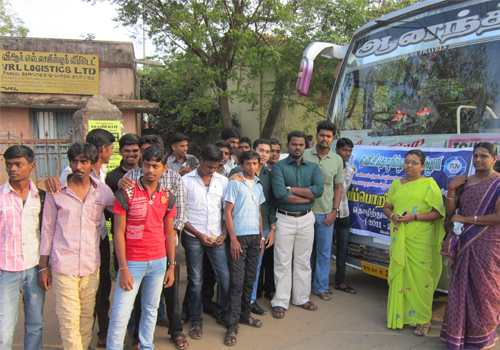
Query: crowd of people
251,225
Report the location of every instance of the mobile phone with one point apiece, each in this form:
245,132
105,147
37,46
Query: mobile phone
404,213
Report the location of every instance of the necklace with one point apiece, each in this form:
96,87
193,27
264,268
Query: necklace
76,192
479,180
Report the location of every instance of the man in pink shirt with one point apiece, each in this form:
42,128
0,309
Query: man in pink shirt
20,207
71,230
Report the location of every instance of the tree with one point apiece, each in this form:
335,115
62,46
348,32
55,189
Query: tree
10,23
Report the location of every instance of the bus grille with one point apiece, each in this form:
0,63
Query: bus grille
369,254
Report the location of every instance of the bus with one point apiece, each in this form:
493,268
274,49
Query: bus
426,76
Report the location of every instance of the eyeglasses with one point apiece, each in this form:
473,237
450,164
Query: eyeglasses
412,162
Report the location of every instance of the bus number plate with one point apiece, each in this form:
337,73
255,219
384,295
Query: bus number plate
374,270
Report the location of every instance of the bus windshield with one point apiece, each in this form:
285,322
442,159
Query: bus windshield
433,75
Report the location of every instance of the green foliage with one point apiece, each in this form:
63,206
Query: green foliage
10,23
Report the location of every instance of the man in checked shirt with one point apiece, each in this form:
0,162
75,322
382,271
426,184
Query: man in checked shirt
71,232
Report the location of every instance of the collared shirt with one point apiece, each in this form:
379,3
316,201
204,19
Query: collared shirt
19,229
331,167
286,173
246,202
230,164
175,165
267,209
204,207
172,182
71,228
344,203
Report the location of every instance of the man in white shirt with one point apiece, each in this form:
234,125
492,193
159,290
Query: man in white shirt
205,191
231,135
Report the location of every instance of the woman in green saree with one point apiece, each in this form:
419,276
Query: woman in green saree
415,207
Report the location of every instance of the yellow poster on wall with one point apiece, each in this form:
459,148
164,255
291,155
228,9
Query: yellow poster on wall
49,73
114,127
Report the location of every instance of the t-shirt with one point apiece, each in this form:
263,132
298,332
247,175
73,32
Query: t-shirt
144,234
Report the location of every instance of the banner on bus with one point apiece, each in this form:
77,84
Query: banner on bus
375,170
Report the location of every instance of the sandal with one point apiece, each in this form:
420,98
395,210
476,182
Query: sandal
252,322
101,343
346,289
196,332
163,322
180,342
422,329
278,312
325,296
309,306
230,338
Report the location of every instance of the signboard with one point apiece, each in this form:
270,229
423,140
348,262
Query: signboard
375,170
49,73
114,127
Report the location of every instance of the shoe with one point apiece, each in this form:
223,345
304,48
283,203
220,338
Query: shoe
256,309
269,295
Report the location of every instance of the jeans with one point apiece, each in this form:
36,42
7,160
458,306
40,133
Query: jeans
256,284
342,230
161,308
323,235
11,284
102,303
151,274
194,261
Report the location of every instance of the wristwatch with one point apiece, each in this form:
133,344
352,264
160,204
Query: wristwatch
172,263
337,209
288,188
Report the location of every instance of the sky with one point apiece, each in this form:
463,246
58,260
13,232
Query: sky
70,19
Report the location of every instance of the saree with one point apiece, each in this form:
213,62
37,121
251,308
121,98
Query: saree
473,310
415,263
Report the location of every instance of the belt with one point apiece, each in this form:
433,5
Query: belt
296,214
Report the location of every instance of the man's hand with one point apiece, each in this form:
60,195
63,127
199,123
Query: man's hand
184,170
126,183
45,279
262,245
236,249
204,239
52,185
270,238
219,241
169,277
330,218
238,177
126,281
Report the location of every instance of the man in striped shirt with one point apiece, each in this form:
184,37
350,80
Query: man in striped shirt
71,233
20,206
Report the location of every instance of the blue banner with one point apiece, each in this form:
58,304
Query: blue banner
376,167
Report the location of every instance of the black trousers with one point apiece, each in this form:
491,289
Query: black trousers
266,276
242,272
102,304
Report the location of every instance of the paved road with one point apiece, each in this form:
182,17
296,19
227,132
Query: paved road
347,322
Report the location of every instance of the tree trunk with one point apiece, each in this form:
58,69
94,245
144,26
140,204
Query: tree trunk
225,115
274,109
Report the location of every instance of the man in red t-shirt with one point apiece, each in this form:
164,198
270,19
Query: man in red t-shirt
144,236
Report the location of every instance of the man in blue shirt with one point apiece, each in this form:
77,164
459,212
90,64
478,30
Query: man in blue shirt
296,184
244,225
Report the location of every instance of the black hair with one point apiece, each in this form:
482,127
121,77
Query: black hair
155,154
274,142
326,125
211,153
229,132
492,149
223,144
344,141
418,153
258,142
153,140
128,140
248,155
177,137
100,137
19,151
296,133
245,139
88,150
496,166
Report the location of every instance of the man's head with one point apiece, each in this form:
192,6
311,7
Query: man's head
296,144
325,134
263,148
154,163
210,158
275,151
19,162
309,142
250,161
103,141
225,148
231,135
179,144
344,148
147,141
129,149
82,158
245,145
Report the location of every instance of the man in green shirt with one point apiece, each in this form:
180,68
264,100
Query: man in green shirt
325,208
296,184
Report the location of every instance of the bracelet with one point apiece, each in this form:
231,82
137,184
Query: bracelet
475,218
262,238
43,269
450,198
123,268
390,217
415,217
451,188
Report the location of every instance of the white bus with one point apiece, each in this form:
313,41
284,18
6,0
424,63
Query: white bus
427,76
